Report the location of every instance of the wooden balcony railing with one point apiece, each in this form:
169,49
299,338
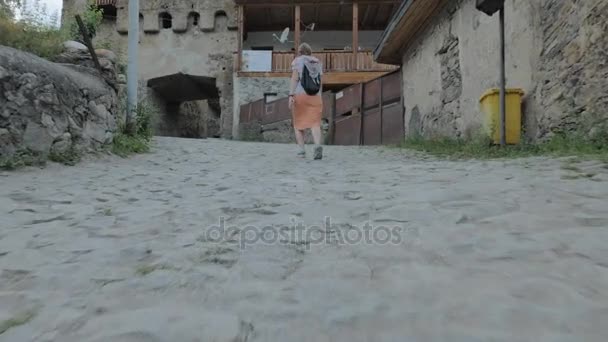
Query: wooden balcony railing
335,61
341,61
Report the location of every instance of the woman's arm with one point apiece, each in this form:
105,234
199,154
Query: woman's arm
292,86
294,82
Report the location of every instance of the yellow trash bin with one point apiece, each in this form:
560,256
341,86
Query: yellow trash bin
490,106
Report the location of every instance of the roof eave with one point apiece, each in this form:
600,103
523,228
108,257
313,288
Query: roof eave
391,47
381,54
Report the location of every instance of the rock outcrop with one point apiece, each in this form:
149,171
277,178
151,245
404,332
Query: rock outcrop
78,54
50,108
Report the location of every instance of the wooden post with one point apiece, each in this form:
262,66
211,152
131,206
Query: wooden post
88,43
355,35
241,22
297,29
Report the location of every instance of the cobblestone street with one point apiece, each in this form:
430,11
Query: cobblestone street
211,240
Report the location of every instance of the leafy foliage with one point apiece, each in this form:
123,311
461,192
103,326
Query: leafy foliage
21,159
37,32
91,20
137,139
8,8
480,147
33,32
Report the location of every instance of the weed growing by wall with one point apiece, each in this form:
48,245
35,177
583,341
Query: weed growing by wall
127,140
481,147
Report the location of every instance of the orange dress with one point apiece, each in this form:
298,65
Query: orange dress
307,110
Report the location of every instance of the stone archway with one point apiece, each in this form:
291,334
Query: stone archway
188,110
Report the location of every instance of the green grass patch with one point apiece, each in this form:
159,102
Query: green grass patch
71,157
137,138
17,320
125,145
29,158
22,159
481,147
143,270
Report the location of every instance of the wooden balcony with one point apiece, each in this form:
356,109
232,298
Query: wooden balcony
335,61
339,67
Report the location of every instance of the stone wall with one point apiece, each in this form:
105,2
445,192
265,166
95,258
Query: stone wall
250,89
456,58
48,108
282,132
200,42
192,119
555,52
573,68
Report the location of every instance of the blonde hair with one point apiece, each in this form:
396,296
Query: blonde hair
305,49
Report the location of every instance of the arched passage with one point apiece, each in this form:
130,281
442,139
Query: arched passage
190,105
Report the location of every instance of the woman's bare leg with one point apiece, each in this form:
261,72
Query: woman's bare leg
316,135
300,138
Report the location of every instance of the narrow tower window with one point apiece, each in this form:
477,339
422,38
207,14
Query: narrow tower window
166,21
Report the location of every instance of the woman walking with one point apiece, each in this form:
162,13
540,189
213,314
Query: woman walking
305,100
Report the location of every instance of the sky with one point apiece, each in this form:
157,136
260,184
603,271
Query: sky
53,5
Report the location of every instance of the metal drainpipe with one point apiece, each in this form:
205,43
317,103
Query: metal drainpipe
502,79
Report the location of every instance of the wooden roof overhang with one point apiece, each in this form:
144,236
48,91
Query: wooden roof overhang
328,15
410,19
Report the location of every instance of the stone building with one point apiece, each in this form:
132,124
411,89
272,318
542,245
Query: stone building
185,59
449,53
200,60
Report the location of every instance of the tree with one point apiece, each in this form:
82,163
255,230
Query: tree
91,17
8,8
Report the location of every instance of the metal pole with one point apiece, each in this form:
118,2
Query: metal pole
132,73
502,79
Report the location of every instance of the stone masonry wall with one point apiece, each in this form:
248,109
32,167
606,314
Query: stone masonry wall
200,42
456,58
49,108
573,82
253,88
448,115
555,52
249,89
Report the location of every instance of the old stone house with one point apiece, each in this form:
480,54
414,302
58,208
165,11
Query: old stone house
449,54
200,60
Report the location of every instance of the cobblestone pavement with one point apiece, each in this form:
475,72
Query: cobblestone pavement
210,240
